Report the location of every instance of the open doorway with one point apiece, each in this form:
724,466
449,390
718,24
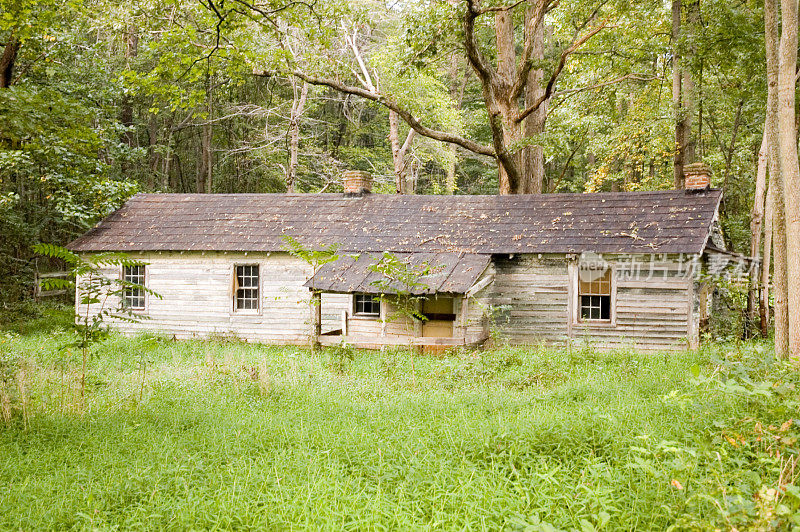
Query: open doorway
441,316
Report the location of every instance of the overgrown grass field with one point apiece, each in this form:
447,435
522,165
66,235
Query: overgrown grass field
223,434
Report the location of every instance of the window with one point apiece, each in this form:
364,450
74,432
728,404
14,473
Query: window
366,305
246,287
594,291
133,296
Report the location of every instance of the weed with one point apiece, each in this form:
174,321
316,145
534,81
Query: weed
234,435
341,357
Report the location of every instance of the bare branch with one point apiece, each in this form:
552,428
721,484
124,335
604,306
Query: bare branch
381,99
600,85
557,72
474,54
526,65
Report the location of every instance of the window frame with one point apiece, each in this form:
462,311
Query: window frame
576,300
125,290
375,301
235,289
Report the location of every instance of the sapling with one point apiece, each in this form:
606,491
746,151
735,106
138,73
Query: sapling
315,258
403,281
100,298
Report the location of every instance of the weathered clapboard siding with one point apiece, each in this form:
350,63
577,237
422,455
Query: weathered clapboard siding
470,327
197,292
474,324
651,311
365,328
332,307
535,292
532,299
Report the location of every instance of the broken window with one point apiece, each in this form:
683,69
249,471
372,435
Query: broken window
133,296
366,305
594,291
246,287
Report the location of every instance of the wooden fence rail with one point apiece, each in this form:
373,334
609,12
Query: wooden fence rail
38,293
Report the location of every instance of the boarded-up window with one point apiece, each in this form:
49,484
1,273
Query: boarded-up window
246,287
366,305
133,296
594,290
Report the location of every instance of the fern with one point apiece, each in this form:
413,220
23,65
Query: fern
56,252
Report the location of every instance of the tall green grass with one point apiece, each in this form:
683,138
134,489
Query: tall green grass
223,434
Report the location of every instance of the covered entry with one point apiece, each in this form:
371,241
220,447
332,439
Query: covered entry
439,315
386,303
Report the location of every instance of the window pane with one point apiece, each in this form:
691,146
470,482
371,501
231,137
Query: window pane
600,285
595,307
366,304
247,287
605,307
133,297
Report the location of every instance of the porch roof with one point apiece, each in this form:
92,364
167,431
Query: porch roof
425,273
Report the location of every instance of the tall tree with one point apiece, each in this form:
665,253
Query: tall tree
683,88
780,280
513,89
756,227
787,140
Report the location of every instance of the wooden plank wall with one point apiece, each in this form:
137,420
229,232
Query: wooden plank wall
479,305
655,313
197,291
366,327
651,313
535,291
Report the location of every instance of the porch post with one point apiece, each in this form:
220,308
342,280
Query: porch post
316,317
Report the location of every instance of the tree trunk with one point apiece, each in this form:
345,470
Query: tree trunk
154,156
779,280
126,111
763,293
790,173
510,177
756,225
682,92
399,151
457,89
204,181
688,91
533,156
677,100
7,61
298,108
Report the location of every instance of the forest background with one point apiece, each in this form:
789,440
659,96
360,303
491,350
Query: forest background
102,99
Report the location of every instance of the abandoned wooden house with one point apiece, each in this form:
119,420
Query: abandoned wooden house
616,269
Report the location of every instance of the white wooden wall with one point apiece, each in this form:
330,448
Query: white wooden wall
536,294
197,292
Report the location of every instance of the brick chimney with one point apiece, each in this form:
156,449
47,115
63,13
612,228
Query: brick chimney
698,176
357,182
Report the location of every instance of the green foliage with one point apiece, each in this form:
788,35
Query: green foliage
100,298
314,257
341,357
401,285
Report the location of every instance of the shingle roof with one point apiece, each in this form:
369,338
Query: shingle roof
627,222
448,273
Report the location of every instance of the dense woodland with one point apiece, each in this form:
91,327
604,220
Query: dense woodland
100,100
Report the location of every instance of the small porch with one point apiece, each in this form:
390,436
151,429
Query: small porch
433,313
